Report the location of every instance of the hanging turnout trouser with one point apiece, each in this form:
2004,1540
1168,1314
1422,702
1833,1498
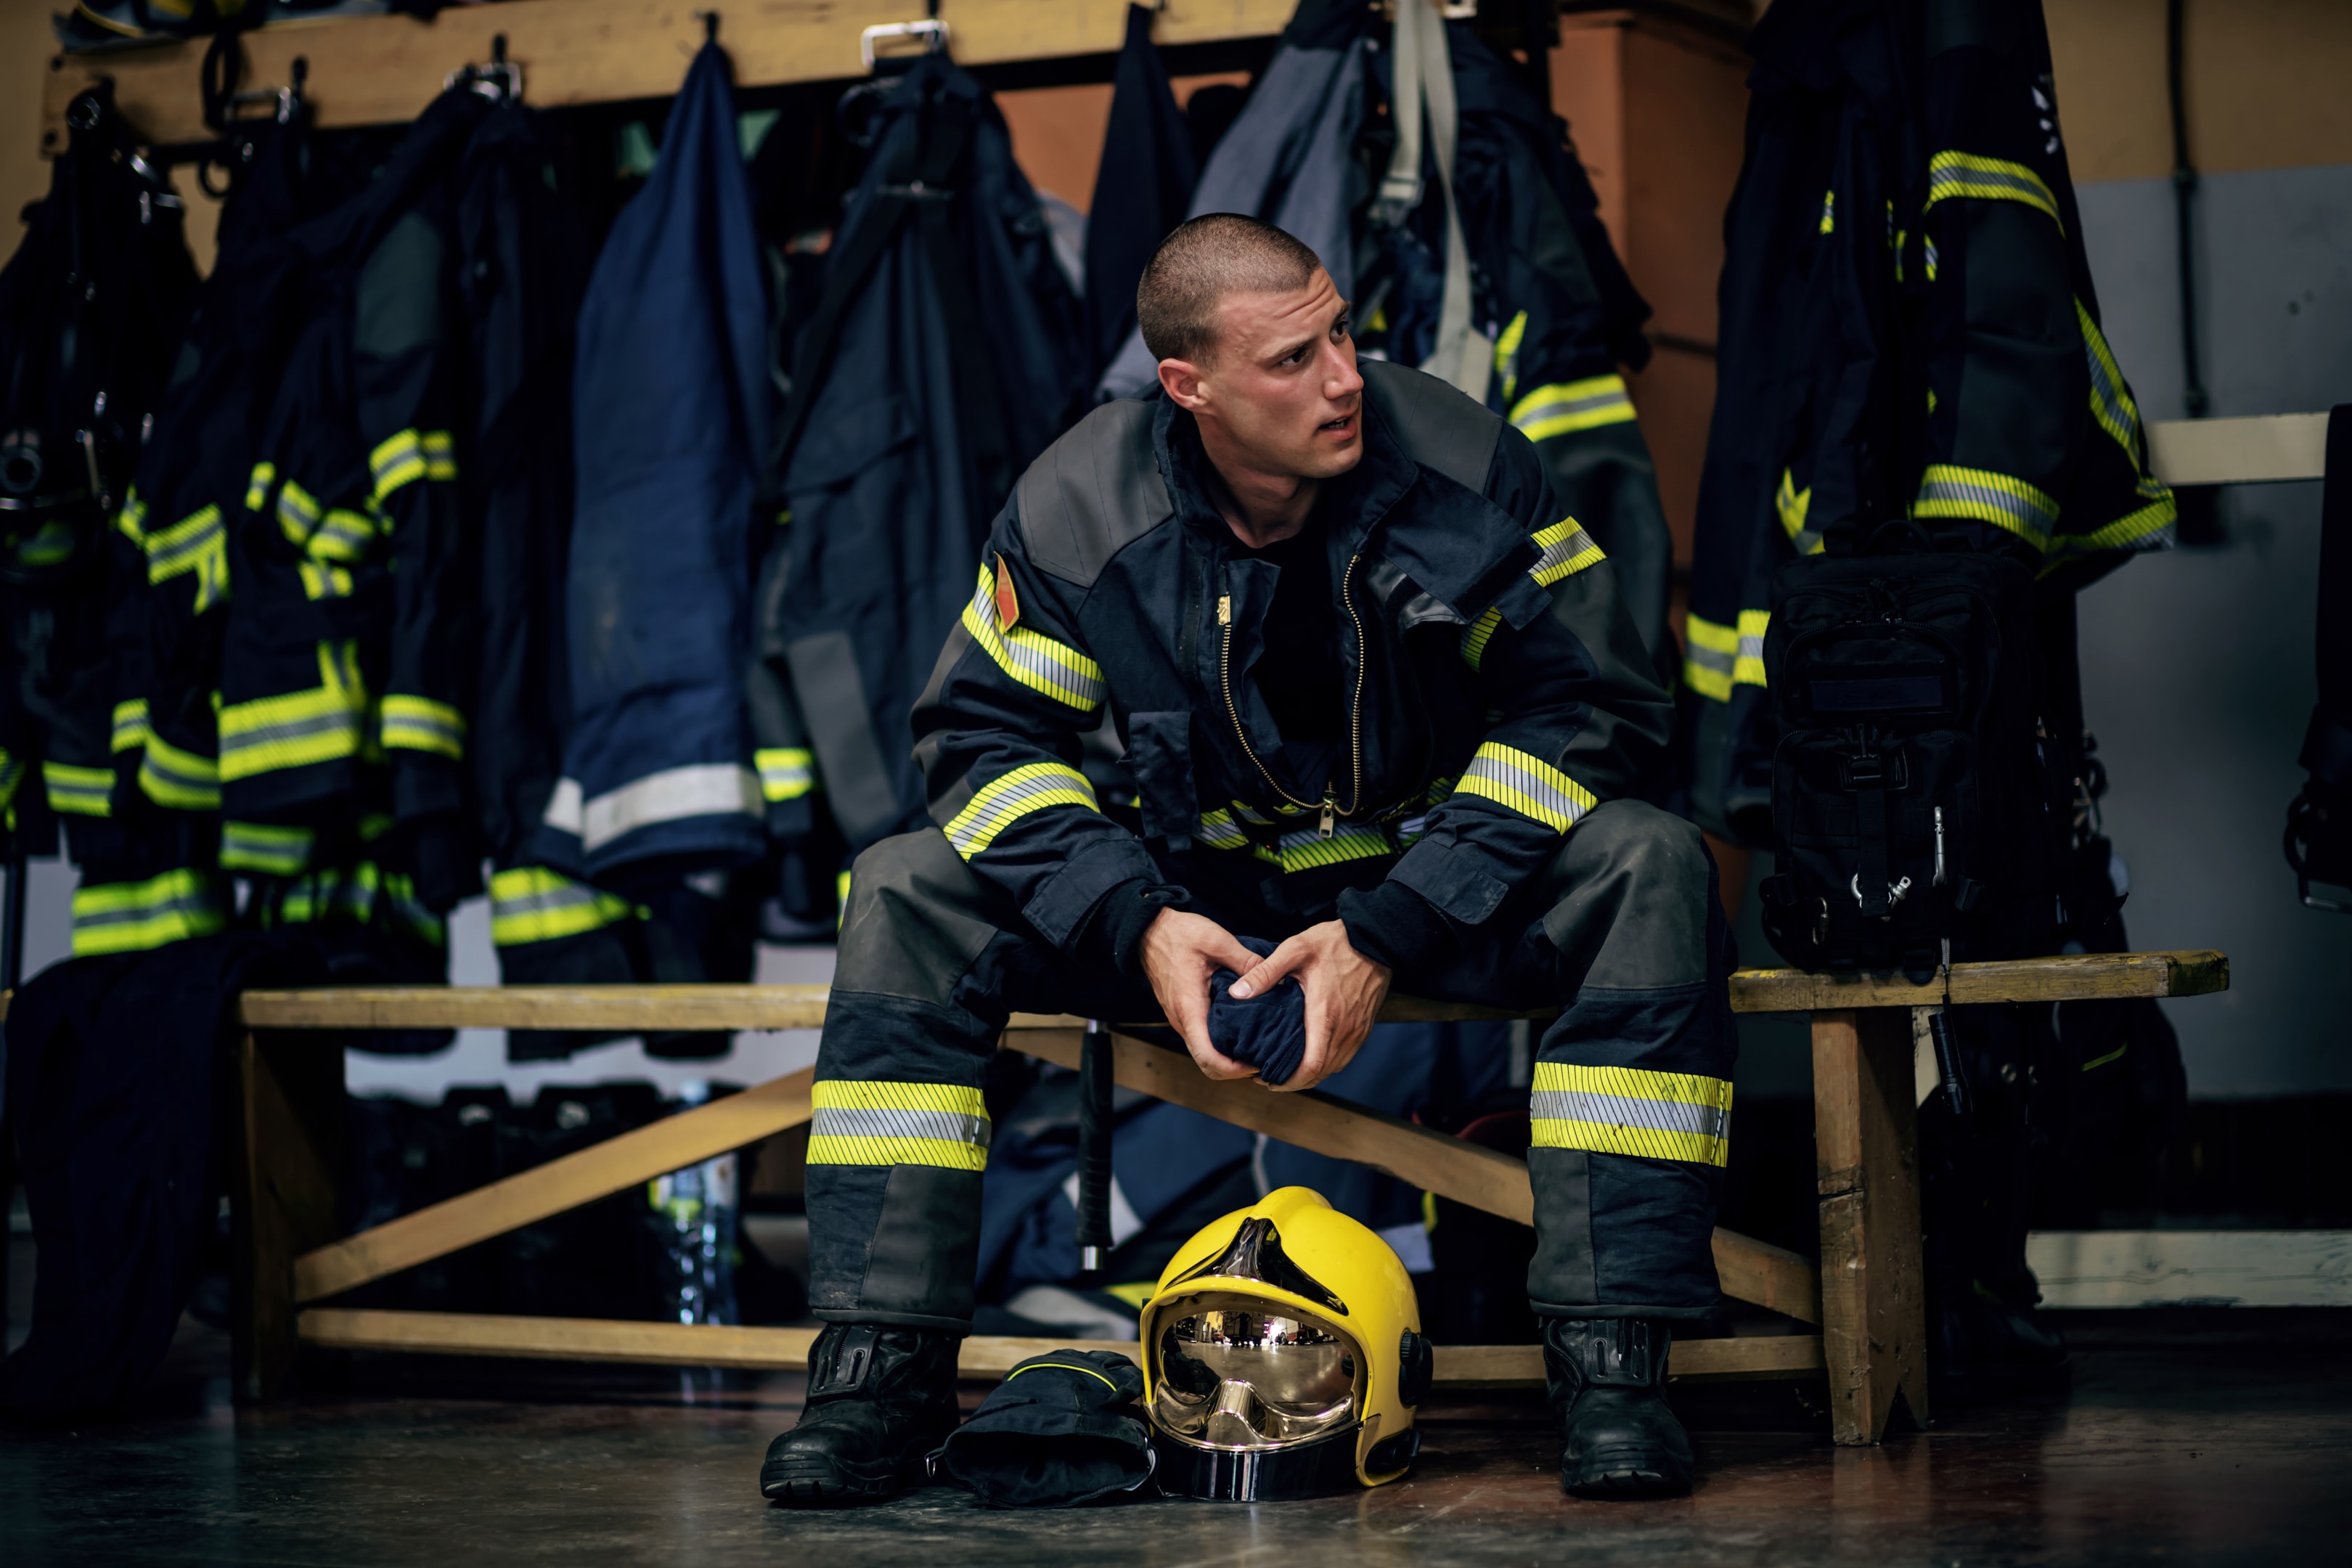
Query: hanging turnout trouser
1632,1096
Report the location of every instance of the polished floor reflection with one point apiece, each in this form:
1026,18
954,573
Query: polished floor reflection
2219,1439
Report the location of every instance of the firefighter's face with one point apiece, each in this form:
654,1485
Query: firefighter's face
1283,382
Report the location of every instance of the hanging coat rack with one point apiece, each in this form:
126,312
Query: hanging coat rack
380,70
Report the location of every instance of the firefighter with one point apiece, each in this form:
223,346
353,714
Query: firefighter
1382,705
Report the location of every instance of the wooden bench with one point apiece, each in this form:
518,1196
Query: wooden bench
1866,1300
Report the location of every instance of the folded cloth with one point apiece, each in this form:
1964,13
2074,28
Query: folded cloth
1062,1428
1268,1031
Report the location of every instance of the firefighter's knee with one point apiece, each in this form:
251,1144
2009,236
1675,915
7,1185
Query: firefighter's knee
1638,900
916,921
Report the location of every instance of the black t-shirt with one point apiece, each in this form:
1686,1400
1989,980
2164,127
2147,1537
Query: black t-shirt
1299,673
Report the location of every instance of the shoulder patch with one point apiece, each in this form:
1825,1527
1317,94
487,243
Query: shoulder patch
1439,427
1092,492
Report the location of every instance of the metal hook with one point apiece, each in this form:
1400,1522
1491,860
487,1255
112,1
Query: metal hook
934,33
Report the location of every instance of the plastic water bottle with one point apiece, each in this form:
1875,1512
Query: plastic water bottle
696,1214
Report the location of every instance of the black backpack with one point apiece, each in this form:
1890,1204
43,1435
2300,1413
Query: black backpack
1910,802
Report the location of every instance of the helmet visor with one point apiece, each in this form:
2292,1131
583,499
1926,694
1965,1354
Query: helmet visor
1231,1373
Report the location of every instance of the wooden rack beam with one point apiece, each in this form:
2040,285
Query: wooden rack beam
985,1357
382,70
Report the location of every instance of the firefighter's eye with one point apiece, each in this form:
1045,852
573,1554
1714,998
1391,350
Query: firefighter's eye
1340,330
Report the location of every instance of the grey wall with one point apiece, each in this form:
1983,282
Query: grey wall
2197,664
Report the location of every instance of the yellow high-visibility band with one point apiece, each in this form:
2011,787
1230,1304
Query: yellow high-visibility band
420,724
1014,796
532,903
1631,1110
1563,408
937,1124
138,917
1949,491
1036,661
786,772
1527,784
1964,175
77,791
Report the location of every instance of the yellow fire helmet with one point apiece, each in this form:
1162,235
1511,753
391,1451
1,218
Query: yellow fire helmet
1282,1356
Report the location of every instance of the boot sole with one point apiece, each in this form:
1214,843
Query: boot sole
817,1484
1623,1477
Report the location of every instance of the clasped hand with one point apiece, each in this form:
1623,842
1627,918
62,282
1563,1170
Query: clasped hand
1344,989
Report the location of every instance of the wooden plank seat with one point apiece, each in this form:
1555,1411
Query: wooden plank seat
1867,1298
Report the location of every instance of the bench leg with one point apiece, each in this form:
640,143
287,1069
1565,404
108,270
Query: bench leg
1865,1139
282,1203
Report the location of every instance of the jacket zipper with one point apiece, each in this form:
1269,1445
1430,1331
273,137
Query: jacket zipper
1327,822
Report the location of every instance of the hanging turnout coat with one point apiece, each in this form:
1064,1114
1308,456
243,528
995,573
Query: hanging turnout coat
946,354
1909,331
674,407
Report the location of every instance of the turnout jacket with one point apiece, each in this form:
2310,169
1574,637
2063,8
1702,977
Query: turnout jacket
1909,331
1497,690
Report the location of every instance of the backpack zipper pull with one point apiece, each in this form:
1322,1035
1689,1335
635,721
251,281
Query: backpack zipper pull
1331,813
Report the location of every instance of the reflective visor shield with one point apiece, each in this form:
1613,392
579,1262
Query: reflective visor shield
1231,1374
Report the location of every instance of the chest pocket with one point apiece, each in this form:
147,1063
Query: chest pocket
1160,754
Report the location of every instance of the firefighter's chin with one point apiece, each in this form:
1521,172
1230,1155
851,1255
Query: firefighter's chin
1338,445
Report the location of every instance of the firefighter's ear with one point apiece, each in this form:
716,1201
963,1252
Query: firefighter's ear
1186,385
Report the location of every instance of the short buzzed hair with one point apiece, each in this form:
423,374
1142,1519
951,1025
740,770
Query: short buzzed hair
1206,258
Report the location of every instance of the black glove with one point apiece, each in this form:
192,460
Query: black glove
1062,1428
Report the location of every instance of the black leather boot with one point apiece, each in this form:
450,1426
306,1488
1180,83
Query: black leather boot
1619,1439
879,1400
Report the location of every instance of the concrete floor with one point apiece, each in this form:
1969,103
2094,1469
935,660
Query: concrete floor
2219,1439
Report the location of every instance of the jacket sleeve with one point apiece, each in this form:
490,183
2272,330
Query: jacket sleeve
400,376
1577,718
1000,727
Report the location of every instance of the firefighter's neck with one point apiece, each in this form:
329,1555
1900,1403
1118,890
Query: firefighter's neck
1261,508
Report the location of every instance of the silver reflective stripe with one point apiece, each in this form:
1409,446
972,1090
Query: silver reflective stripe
570,895
1002,801
1719,660
343,720
1624,1111
1562,552
1509,775
562,812
703,789
946,1126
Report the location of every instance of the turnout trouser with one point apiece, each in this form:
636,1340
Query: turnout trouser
1631,1102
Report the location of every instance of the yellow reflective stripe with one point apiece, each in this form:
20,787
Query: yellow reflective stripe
2111,398
181,781
2148,527
1218,830
1791,504
786,772
1527,784
1949,491
1564,408
1956,175
1507,353
531,903
1349,841
135,917
421,724
266,848
323,582
935,1124
1631,1110
1829,212
79,791
409,455
1476,634
1717,657
1567,549
12,774
131,727
256,487
343,535
298,512
323,724
1014,796
132,520
198,542
1037,662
